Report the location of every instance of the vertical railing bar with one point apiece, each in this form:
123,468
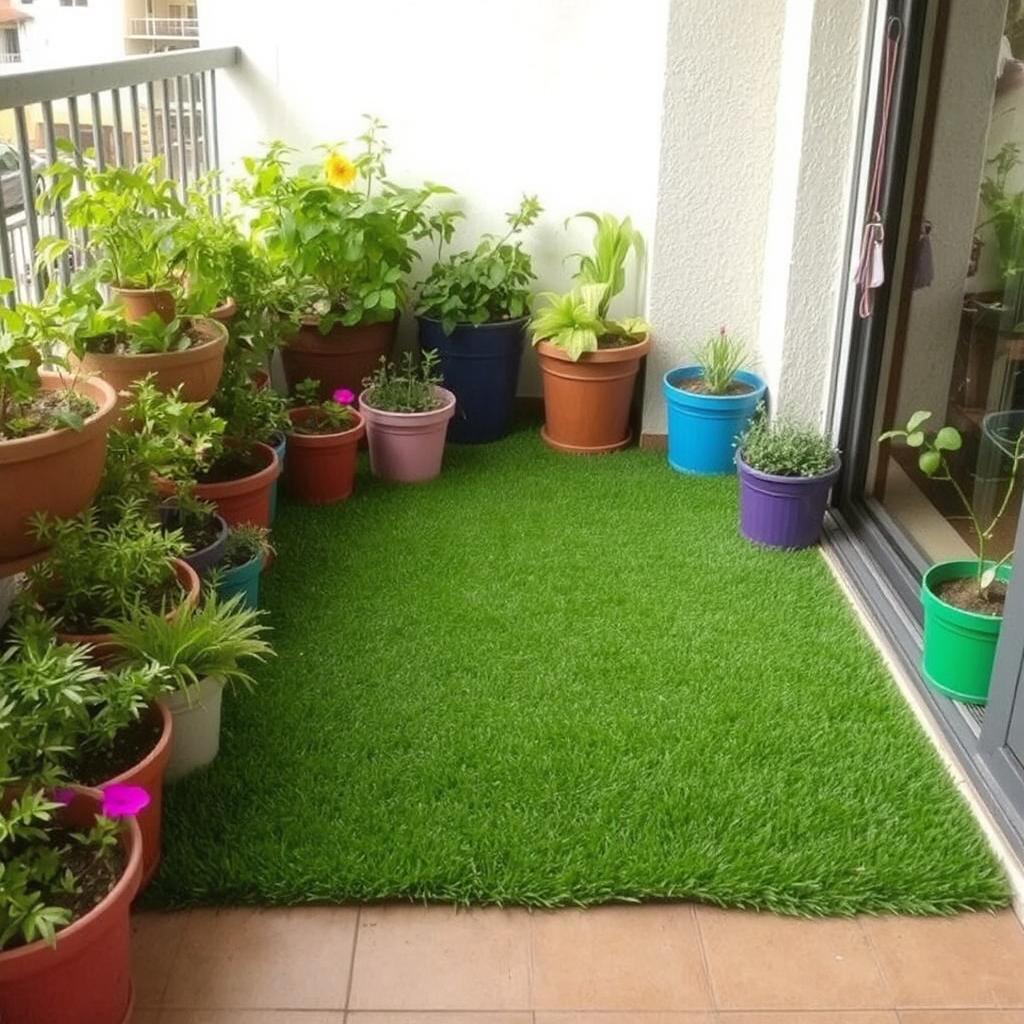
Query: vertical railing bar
115,97
75,127
168,152
133,98
28,194
154,139
207,156
6,265
97,130
179,104
215,131
58,210
193,127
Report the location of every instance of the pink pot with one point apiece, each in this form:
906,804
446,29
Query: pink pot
406,447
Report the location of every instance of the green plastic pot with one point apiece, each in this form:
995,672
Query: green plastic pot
959,646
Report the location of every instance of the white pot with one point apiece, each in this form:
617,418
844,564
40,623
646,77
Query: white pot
196,737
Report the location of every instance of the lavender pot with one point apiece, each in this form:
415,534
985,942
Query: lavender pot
783,511
406,447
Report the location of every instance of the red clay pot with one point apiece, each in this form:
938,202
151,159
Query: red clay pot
225,312
149,774
246,500
341,358
103,646
586,403
57,472
321,468
85,978
138,303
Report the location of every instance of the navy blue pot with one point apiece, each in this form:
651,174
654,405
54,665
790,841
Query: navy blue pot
480,364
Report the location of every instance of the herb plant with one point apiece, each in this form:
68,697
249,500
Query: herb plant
489,284
786,448
1005,210
330,417
578,321
933,460
719,359
250,413
246,541
409,388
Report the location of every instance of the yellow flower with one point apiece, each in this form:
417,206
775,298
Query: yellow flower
339,170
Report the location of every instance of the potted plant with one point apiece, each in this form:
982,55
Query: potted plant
204,532
202,650
96,727
406,413
962,599
322,441
710,403
472,310
247,552
72,864
53,436
786,471
103,570
344,233
588,361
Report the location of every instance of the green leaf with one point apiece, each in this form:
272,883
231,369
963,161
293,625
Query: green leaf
988,578
948,439
890,434
915,439
916,420
929,462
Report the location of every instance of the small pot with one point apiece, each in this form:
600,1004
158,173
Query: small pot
225,312
242,579
959,646
196,370
783,511
245,500
702,429
138,303
586,403
196,726
341,358
322,467
103,646
57,472
407,447
149,774
85,977
205,558
279,442
480,366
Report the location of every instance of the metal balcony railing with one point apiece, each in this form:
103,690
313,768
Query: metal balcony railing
163,28
126,111
10,57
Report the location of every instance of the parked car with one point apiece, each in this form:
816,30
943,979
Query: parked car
10,176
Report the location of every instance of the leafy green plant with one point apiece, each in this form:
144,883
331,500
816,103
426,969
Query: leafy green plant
720,358
411,387
250,413
246,541
786,448
488,284
214,639
345,250
578,321
99,569
933,461
1005,210
328,417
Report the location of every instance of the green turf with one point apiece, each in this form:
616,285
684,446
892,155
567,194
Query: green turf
547,679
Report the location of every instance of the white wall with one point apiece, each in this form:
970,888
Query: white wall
558,98
59,35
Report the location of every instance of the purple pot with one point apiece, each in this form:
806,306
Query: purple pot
783,511
406,447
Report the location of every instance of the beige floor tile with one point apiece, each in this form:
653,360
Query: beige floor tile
155,942
295,958
971,960
767,962
618,958
809,1017
440,1017
962,1017
600,1017
252,1017
440,958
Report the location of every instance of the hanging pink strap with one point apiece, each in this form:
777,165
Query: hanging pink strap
871,265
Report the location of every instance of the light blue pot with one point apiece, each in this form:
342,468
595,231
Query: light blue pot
279,442
702,429
242,579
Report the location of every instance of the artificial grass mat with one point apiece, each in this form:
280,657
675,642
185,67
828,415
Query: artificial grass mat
547,679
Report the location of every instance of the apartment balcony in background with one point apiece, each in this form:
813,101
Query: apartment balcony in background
180,29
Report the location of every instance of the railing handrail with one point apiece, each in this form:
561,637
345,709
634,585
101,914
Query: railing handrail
152,24
25,87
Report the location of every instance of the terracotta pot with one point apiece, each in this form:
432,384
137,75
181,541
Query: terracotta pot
406,447
57,472
586,403
149,774
103,644
225,312
339,359
85,977
197,369
321,468
245,500
260,379
138,303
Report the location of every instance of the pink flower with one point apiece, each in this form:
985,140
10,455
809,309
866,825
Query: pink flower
343,396
123,801
63,796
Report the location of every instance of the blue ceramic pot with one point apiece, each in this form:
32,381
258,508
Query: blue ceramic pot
242,579
279,442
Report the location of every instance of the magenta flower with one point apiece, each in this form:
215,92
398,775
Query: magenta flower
123,801
343,396
63,796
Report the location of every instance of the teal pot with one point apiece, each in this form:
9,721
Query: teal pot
279,442
242,579
959,646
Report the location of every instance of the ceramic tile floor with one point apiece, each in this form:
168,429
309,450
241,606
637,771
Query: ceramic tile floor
654,964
